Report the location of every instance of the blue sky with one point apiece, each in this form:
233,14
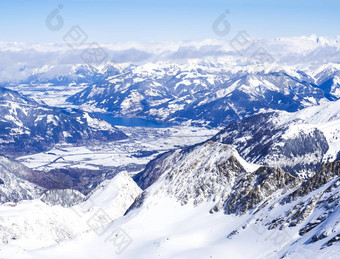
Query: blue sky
167,20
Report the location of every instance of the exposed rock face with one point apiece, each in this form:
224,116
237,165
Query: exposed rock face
256,187
196,174
259,140
328,171
212,183
214,172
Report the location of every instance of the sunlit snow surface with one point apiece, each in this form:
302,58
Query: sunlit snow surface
33,224
167,230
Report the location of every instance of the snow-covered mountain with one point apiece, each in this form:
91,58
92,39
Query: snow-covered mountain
29,127
34,224
213,172
298,142
291,216
63,75
328,79
204,83
211,202
203,92
198,202
266,186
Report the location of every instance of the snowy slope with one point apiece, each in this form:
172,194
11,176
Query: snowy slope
282,215
212,172
33,224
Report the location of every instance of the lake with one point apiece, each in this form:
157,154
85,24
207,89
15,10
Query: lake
132,122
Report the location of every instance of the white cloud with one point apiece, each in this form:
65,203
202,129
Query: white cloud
19,60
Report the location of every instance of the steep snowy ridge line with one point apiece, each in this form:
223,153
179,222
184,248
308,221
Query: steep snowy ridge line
197,177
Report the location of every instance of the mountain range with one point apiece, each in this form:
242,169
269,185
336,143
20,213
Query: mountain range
206,197
265,186
205,93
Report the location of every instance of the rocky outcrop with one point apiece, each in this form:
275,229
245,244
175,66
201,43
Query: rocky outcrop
213,172
253,188
328,171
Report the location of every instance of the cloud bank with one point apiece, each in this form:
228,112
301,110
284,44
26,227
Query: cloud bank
19,60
